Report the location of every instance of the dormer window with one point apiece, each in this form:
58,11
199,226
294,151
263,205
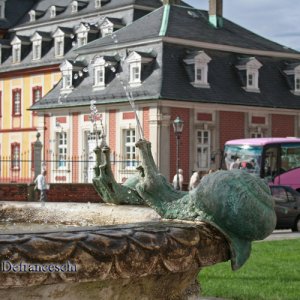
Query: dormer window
17,43
297,84
82,34
199,61
67,72
2,9
97,3
32,15
74,7
37,39
16,53
297,80
249,73
136,60
106,27
59,46
99,73
52,11
61,43
71,73
36,49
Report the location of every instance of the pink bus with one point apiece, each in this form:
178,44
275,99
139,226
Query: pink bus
275,159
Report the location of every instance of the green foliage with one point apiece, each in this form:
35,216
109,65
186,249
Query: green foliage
271,273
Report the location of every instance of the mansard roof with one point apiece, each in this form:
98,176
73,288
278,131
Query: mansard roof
69,22
87,8
13,15
167,78
195,26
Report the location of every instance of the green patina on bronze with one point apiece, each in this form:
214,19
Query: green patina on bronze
237,203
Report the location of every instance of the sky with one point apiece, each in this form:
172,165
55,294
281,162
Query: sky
277,20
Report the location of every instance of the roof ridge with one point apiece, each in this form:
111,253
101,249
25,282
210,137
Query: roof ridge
165,20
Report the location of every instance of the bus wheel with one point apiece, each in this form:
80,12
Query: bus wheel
297,225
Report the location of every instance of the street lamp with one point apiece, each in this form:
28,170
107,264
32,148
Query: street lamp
178,127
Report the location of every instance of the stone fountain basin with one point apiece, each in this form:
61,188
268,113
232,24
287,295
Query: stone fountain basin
102,251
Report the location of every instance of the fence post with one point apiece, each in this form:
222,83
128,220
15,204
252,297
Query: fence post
37,152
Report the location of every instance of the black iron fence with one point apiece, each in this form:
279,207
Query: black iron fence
62,169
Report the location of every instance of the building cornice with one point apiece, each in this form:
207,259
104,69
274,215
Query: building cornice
30,71
113,47
184,42
18,130
222,47
78,17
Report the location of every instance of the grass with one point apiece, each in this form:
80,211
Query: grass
271,273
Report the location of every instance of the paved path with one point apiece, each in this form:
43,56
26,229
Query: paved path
283,235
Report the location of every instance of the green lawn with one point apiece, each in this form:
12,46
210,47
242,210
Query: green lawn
272,272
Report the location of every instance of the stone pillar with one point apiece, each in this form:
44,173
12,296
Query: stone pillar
37,152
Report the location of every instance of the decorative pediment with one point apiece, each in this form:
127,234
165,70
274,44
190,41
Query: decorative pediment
142,57
24,40
41,36
62,32
248,63
66,65
197,57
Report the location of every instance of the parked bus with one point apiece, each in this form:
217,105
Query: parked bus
275,159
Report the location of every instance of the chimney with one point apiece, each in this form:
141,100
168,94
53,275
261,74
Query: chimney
165,2
216,13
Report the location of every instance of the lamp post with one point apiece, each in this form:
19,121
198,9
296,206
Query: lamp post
178,127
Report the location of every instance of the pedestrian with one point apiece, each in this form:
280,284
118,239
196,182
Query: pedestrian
41,185
194,180
180,180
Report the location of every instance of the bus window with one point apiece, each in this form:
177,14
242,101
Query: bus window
243,157
271,162
290,157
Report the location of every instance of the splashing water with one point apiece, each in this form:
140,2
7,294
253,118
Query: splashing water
95,116
126,88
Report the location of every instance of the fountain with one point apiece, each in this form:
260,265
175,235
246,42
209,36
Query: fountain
115,251
148,241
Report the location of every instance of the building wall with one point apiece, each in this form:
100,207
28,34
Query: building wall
184,114
231,126
22,129
283,125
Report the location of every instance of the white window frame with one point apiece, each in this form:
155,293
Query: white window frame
52,11
98,78
36,49
135,62
107,30
82,38
106,27
67,82
200,62
297,80
62,149
59,46
17,103
32,15
203,146
16,53
129,149
252,70
2,9
297,84
252,83
97,3
74,7
135,73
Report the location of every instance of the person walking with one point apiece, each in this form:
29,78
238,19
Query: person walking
180,180
194,180
41,185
